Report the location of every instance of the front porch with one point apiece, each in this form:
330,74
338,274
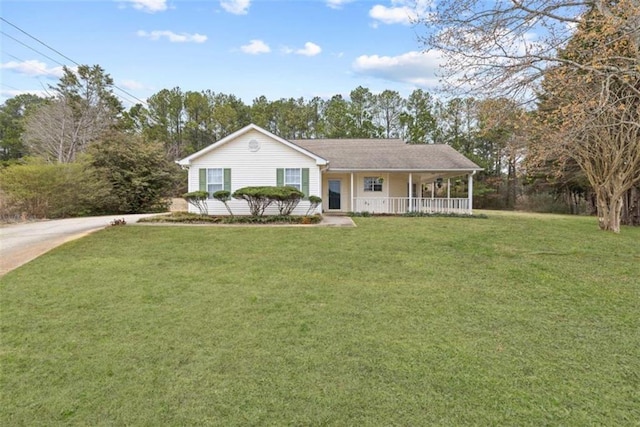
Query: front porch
398,192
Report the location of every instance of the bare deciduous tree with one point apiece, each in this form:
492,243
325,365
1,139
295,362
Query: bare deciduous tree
504,47
593,117
82,109
600,131
588,54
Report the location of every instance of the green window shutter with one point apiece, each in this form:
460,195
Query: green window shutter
305,182
203,179
227,180
280,177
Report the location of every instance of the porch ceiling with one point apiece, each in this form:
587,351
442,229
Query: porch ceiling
417,176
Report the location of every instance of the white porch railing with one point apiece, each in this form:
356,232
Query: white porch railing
401,205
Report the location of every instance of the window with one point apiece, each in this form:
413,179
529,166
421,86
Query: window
212,180
372,183
293,178
215,181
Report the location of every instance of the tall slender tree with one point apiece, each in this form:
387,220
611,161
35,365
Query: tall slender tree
82,110
390,107
363,110
418,121
166,121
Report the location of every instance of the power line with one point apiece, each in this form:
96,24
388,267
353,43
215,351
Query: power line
38,40
29,47
59,53
9,86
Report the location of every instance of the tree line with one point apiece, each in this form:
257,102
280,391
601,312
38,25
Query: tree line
575,149
83,110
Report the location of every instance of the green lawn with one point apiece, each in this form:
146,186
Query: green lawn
512,320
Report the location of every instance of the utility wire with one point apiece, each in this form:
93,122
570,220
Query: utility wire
36,68
10,87
29,47
38,40
59,53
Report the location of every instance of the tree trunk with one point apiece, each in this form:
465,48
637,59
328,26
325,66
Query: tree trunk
609,211
631,207
511,184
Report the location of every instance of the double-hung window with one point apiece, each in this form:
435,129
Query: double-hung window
372,183
293,178
215,181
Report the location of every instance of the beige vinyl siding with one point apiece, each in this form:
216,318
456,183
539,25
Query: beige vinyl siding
398,185
253,168
395,185
359,185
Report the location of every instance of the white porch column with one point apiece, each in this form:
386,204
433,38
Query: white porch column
433,189
410,192
448,194
321,208
352,195
470,195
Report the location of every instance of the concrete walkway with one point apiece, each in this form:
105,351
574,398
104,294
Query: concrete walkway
336,221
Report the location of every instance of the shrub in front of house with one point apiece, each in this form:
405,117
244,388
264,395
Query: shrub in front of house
260,198
197,199
273,219
359,214
314,202
193,218
442,215
286,199
257,198
183,218
224,196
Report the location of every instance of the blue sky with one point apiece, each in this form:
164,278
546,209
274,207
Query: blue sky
275,48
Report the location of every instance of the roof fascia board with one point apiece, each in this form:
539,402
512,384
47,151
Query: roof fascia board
402,170
187,160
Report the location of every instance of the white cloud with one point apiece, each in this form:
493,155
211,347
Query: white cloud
310,49
10,93
337,4
132,85
255,47
150,6
237,7
173,37
404,12
417,68
33,68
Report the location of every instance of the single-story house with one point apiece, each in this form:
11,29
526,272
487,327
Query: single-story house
350,175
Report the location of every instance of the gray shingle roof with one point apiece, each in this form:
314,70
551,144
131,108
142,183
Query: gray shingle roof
386,154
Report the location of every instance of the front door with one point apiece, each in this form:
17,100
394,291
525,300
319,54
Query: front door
334,194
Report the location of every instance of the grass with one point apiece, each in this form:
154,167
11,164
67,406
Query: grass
513,320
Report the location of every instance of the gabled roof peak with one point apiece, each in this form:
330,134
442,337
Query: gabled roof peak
250,127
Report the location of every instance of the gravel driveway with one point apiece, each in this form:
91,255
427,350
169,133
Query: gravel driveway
20,243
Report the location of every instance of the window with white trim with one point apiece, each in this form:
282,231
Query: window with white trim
215,180
293,178
372,183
